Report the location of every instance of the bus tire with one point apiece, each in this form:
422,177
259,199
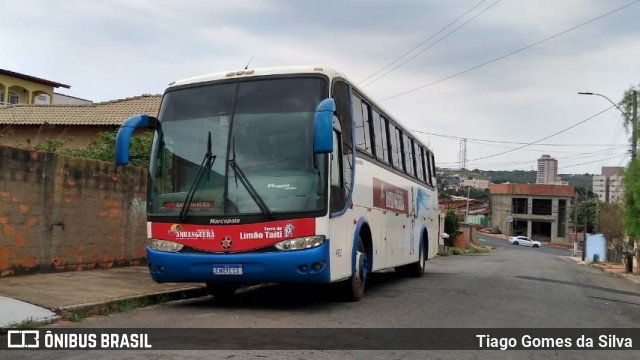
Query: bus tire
222,291
353,288
415,269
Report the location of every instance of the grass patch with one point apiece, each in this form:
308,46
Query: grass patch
458,251
444,253
24,325
131,304
78,315
478,250
163,298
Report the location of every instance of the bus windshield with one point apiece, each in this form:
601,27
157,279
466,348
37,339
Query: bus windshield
260,133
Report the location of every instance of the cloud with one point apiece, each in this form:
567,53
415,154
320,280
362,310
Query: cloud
118,48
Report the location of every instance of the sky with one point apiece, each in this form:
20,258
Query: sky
502,74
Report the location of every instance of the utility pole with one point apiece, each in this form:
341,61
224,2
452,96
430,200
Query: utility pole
634,150
634,125
466,217
584,231
575,227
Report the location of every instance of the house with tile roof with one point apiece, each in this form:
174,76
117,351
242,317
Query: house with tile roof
27,125
17,88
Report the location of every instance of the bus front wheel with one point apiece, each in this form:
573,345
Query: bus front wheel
222,291
353,288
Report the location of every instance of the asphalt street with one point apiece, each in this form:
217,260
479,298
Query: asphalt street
511,287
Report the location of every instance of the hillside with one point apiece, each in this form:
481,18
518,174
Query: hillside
515,176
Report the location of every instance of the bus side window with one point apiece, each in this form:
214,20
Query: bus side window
338,190
380,137
362,124
417,150
429,168
407,144
395,145
433,167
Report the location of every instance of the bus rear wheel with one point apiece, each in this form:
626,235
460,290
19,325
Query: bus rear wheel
415,269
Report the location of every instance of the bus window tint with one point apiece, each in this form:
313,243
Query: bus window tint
427,159
396,150
433,167
417,150
361,119
408,155
255,123
380,135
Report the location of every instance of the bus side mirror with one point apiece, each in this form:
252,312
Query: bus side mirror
124,135
323,127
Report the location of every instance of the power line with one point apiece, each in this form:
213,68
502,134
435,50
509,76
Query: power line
592,162
513,52
428,47
510,142
546,137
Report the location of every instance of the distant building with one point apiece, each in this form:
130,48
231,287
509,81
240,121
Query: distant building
475,183
17,88
548,172
608,186
61,99
451,183
538,211
469,211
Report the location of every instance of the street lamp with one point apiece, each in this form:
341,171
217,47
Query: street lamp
634,147
634,118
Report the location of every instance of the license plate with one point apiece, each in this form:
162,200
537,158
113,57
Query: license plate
232,269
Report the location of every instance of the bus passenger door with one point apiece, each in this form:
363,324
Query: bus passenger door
338,191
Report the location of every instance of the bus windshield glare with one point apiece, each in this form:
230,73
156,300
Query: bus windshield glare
260,133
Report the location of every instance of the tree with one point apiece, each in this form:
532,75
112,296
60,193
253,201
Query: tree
451,223
631,182
609,220
626,107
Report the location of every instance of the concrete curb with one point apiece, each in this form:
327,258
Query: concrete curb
80,311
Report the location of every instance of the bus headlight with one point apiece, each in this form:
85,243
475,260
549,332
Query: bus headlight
300,243
164,245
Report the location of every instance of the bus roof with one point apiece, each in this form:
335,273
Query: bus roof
241,73
284,70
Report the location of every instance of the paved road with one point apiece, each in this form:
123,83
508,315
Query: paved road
512,287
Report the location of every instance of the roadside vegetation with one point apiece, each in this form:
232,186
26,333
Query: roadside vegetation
102,147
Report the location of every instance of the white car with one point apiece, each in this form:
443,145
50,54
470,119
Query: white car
524,241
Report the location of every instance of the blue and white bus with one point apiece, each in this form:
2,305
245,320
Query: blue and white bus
283,175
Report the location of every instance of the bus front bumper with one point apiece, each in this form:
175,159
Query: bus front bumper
299,266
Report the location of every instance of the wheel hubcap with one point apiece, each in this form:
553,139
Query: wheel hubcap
361,267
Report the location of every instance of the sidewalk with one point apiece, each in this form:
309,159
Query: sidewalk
614,269
45,298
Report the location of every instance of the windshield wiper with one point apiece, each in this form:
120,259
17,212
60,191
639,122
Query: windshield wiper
238,173
207,163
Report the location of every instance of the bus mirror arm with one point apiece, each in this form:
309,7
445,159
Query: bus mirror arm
323,127
126,131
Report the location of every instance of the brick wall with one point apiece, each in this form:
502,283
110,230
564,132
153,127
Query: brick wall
60,213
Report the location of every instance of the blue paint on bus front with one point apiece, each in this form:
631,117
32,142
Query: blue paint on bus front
278,266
